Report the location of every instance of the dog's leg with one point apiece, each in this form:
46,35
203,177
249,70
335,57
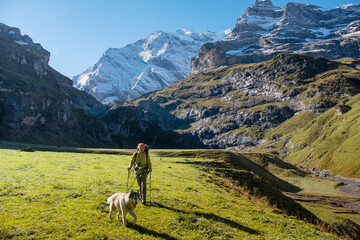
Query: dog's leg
110,208
132,212
124,218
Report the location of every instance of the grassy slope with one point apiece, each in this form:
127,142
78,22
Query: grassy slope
309,185
327,141
63,195
311,82
330,141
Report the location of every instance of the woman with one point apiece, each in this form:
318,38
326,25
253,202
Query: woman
142,164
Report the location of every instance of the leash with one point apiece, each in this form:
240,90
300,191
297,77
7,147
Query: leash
137,173
128,188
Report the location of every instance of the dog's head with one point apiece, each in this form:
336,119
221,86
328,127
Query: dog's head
134,196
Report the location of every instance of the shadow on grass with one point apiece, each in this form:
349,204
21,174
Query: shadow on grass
146,231
211,216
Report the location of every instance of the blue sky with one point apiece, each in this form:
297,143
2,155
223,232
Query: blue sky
78,32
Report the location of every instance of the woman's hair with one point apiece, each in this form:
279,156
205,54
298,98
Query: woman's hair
146,150
140,144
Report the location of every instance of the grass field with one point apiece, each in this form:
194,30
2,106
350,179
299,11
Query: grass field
60,195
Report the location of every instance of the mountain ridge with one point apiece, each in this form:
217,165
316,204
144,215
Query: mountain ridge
265,31
38,104
235,106
232,106
147,65
262,32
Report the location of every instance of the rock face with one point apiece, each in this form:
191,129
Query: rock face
13,34
227,107
146,122
39,105
145,66
265,31
232,107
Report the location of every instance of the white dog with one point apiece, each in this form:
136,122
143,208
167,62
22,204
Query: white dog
124,202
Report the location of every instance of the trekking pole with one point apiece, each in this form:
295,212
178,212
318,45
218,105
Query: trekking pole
127,182
150,188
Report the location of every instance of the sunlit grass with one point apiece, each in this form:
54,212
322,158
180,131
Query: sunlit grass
328,210
332,214
331,141
59,195
314,186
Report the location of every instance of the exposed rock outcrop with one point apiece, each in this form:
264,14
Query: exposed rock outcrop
231,107
39,105
265,30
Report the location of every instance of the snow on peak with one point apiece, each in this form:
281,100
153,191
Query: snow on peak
227,31
349,6
186,31
147,65
22,43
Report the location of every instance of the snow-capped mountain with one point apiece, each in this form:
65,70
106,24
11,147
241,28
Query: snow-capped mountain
266,30
147,65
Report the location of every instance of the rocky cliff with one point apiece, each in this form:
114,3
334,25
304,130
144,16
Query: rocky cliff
37,104
228,107
234,106
266,30
325,141
14,35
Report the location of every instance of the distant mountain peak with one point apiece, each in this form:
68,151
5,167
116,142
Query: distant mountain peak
147,65
263,3
265,30
261,8
14,34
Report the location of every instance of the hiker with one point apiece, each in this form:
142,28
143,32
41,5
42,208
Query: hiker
142,165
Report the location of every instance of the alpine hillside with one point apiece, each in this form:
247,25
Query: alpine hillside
266,30
229,107
234,106
147,65
327,141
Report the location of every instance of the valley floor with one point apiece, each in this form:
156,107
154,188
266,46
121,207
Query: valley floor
337,197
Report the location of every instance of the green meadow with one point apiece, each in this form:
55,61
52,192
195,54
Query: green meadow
62,195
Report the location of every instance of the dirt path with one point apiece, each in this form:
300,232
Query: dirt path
352,203
349,186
